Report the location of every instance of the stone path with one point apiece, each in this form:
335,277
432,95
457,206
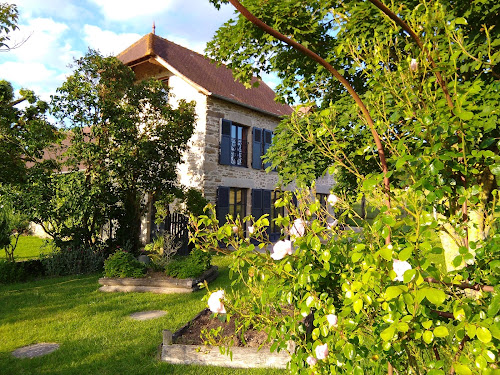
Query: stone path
146,315
36,350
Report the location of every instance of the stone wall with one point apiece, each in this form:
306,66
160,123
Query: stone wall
235,176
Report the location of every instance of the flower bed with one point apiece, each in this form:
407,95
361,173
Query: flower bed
157,283
186,347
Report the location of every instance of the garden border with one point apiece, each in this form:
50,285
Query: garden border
165,285
241,357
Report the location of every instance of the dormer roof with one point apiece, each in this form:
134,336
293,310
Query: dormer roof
217,81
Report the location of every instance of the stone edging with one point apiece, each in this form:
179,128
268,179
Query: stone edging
164,285
211,356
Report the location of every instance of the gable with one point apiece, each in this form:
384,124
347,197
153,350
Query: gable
197,69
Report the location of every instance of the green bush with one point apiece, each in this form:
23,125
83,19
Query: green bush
11,272
123,264
193,265
72,260
162,251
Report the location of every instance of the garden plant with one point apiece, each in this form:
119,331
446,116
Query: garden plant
416,291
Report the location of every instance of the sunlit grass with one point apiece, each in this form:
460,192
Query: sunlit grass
29,247
93,328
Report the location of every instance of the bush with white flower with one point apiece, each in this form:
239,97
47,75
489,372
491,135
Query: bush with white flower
416,289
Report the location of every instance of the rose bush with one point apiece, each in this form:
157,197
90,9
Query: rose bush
416,290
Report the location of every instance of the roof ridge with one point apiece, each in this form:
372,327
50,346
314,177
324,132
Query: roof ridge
131,46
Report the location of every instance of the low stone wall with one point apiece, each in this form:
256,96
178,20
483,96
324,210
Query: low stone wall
165,285
242,357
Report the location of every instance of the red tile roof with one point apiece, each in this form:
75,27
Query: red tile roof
218,81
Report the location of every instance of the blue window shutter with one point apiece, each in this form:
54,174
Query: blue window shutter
222,204
257,203
225,143
256,148
266,208
267,141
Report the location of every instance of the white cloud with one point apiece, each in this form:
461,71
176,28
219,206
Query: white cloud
120,10
60,8
44,43
108,42
31,75
41,62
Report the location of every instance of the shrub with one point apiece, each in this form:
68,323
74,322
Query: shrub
123,264
11,272
162,250
193,265
72,260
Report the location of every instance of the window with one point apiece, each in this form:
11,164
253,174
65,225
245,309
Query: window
261,141
275,212
263,203
231,201
322,199
233,144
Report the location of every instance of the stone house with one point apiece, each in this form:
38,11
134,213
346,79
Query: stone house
234,128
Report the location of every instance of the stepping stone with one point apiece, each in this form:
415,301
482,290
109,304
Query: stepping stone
146,315
36,350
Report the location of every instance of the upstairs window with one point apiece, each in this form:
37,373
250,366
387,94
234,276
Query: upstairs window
261,141
233,144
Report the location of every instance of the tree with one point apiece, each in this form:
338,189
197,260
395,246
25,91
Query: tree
25,136
8,23
423,77
126,138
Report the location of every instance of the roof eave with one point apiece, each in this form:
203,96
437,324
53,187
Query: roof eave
247,105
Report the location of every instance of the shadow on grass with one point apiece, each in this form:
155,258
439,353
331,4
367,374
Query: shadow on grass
94,329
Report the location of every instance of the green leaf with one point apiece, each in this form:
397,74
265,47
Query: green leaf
405,254
315,243
483,334
393,292
495,169
386,253
428,336
356,256
388,333
349,351
357,305
461,369
433,295
465,115
441,331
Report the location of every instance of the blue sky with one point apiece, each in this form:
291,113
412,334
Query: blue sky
60,30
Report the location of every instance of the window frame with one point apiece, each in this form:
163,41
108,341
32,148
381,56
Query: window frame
233,146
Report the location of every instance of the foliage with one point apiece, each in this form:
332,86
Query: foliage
162,250
24,135
378,298
12,225
123,264
69,206
8,23
189,266
127,138
73,259
13,272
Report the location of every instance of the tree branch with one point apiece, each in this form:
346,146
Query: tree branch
299,47
389,13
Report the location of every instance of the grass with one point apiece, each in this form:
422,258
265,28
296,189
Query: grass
29,247
93,328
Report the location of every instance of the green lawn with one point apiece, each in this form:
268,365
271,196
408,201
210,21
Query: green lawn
29,247
93,328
